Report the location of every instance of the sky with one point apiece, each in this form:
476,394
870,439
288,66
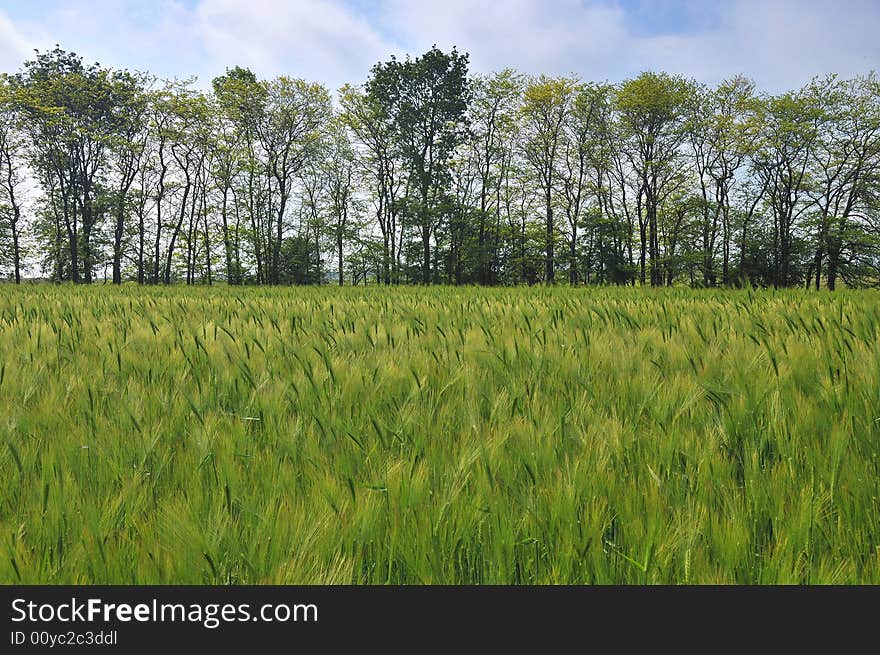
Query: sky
780,44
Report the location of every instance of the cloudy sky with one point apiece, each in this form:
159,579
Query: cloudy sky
779,43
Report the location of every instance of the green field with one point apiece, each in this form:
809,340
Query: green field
502,436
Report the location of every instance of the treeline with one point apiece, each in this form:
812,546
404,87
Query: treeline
428,174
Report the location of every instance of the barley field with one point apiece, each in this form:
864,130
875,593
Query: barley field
426,436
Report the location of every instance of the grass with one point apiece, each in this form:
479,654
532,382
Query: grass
502,436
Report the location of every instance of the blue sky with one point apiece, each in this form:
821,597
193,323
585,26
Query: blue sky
779,43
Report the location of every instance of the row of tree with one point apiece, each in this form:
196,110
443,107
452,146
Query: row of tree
427,174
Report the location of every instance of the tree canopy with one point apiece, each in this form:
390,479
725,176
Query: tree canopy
427,173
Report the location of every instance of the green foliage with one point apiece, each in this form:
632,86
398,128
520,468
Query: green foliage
651,101
168,435
425,100
297,263
450,177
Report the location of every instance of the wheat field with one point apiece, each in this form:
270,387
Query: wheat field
444,435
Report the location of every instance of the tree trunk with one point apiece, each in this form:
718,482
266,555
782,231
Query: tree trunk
227,243
160,195
276,250
550,271
72,236
16,248
339,253
16,214
140,273
426,252
117,241
207,239
87,223
643,235
176,232
725,248
833,266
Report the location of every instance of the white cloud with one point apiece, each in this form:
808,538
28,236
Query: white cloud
780,43
14,46
152,36
535,37
320,40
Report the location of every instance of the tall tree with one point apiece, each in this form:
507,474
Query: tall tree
11,177
339,167
377,141
288,131
127,147
651,110
790,129
426,99
722,130
545,107
581,149
844,163
236,101
188,148
72,114
493,120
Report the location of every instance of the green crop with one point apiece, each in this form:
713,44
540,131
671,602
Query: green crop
441,435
